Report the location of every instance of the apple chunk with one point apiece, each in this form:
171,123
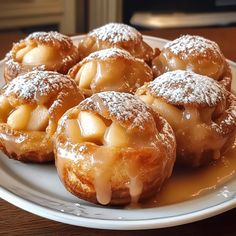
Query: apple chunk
86,74
92,126
116,136
148,99
110,74
38,119
19,118
40,55
21,53
73,131
5,106
172,114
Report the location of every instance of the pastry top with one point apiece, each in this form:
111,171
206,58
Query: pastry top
41,50
116,35
116,32
51,38
194,53
35,85
109,53
138,124
54,90
111,69
193,46
186,87
125,108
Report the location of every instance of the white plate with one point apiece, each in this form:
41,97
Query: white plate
37,189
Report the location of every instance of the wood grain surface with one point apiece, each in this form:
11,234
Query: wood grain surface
14,221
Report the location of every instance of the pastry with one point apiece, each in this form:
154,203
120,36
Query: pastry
40,50
116,35
110,69
30,107
194,53
201,112
112,149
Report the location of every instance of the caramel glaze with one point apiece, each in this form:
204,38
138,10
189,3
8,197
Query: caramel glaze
186,184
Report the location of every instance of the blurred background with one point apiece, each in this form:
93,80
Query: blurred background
79,16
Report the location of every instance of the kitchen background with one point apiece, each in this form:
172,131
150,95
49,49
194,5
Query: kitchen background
73,16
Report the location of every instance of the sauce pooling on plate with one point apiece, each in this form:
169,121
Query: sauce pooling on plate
186,184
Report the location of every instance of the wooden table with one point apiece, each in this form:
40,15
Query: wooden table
14,221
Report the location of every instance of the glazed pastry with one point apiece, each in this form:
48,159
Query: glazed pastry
40,50
112,149
116,35
201,112
196,54
110,69
30,107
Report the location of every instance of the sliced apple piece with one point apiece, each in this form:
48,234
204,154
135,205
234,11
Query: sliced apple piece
85,75
19,118
148,99
92,126
5,106
21,53
40,55
38,119
73,131
172,114
175,63
116,136
110,73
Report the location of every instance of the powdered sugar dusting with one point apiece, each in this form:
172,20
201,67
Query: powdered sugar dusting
36,84
51,37
109,53
116,32
123,106
12,65
186,87
192,45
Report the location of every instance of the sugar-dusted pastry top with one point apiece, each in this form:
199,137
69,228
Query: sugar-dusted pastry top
116,32
194,46
41,50
186,87
37,84
123,107
116,35
111,69
109,53
52,38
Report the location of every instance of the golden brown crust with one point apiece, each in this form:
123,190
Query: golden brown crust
52,90
125,72
26,146
80,182
116,35
61,45
153,159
